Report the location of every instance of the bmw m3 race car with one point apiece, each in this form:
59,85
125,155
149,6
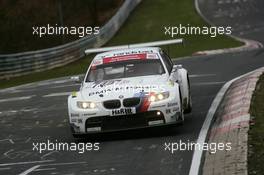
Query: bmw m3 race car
130,89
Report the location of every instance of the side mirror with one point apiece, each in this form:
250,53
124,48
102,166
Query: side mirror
77,79
177,66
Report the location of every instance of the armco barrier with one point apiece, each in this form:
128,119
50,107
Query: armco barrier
12,65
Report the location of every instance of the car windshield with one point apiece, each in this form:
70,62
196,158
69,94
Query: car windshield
125,69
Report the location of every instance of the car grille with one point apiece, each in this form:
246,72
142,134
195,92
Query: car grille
131,102
112,123
112,104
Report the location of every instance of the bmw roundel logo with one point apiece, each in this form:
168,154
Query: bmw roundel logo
121,96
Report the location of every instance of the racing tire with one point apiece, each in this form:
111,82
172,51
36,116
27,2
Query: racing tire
181,117
74,134
189,106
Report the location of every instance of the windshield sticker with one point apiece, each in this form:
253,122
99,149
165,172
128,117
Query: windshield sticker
125,58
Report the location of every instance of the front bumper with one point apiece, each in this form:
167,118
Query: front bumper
100,124
100,119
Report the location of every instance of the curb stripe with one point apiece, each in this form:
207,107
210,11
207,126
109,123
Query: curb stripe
197,154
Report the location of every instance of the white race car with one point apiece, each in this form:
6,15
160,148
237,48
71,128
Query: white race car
130,89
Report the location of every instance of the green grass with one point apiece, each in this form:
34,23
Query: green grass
148,21
256,132
146,24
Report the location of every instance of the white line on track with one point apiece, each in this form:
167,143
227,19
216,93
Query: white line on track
16,99
201,75
48,154
6,153
208,83
197,154
67,163
9,140
45,169
24,163
40,83
62,86
29,170
50,82
58,94
7,168
35,168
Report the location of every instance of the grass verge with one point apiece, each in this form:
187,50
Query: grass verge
145,24
256,132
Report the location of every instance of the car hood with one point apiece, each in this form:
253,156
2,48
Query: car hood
122,88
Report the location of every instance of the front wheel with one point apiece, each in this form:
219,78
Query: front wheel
189,106
181,117
74,134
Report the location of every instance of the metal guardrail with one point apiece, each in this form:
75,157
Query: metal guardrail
13,65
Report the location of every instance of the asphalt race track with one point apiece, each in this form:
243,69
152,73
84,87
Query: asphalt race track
244,16
38,112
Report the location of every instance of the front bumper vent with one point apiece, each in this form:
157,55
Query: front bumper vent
131,102
112,104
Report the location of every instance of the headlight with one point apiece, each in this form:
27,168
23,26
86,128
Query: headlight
86,105
153,97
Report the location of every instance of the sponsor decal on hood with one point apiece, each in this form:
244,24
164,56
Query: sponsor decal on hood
112,89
